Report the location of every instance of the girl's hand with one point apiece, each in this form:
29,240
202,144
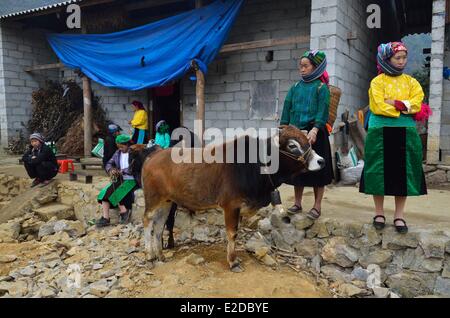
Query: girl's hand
390,102
312,136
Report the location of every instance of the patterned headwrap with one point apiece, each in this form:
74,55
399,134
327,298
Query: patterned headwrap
37,136
385,52
319,60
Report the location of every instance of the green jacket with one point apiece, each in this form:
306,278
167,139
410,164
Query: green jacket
306,103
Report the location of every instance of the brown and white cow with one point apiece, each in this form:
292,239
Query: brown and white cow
234,187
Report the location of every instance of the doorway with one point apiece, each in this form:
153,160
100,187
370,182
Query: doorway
166,106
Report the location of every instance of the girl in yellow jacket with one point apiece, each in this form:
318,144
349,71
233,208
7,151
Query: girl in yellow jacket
139,124
393,149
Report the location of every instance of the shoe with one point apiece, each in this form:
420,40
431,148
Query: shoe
379,225
402,229
45,182
102,222
35,182
313,214
295,209
125,217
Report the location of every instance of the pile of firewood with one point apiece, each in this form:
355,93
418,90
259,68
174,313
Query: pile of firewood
57,109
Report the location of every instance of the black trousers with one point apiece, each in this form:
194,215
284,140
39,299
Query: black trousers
45,170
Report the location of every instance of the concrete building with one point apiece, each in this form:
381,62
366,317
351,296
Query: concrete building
244,87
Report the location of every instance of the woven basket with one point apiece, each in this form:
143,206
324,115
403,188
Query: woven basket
335,97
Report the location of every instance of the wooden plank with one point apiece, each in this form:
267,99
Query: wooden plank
264,43
44,67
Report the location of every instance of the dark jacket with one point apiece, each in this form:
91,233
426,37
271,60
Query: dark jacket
44,153
109,148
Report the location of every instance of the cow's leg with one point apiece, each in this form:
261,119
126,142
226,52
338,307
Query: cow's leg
170,224
231,224
158,219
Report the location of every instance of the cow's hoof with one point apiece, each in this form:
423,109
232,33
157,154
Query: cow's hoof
236,268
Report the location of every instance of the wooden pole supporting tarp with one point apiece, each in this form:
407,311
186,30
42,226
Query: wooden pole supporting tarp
200,99
87,108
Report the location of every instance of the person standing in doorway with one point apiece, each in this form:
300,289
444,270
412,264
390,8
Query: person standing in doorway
139,123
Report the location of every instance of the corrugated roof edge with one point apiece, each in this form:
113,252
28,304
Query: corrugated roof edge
60,4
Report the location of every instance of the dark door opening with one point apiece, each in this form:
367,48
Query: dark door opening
166,106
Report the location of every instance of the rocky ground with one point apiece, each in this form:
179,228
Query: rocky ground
62,258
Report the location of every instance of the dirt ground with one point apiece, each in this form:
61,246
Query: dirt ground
176,278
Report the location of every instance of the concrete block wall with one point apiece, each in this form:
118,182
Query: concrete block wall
436,80
115,102
19,48
228,95
351,63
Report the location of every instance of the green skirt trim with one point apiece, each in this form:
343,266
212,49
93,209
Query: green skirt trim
119,193
393,162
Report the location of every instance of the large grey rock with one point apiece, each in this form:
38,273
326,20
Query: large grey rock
442,287
415,260
291,235
10,231
381,292
73,228
411,284
58,210
256,242
301,222
47,228
308,248
264,226
336,273
279,241
350,229
99,288
14,289
202,234
336,251
369,237
436,177
393,240
321,229
446,269
7,258
350,290
433,245
379,257
359,273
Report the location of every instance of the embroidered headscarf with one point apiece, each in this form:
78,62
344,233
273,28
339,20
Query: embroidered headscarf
385,52
319,60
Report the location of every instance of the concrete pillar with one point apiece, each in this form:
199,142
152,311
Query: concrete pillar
436,80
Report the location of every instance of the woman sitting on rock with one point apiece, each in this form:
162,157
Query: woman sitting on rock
40,161
119,193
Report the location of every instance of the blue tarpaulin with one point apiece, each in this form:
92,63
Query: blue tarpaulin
151,55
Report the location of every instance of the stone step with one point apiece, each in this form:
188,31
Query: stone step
59,210
27,200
